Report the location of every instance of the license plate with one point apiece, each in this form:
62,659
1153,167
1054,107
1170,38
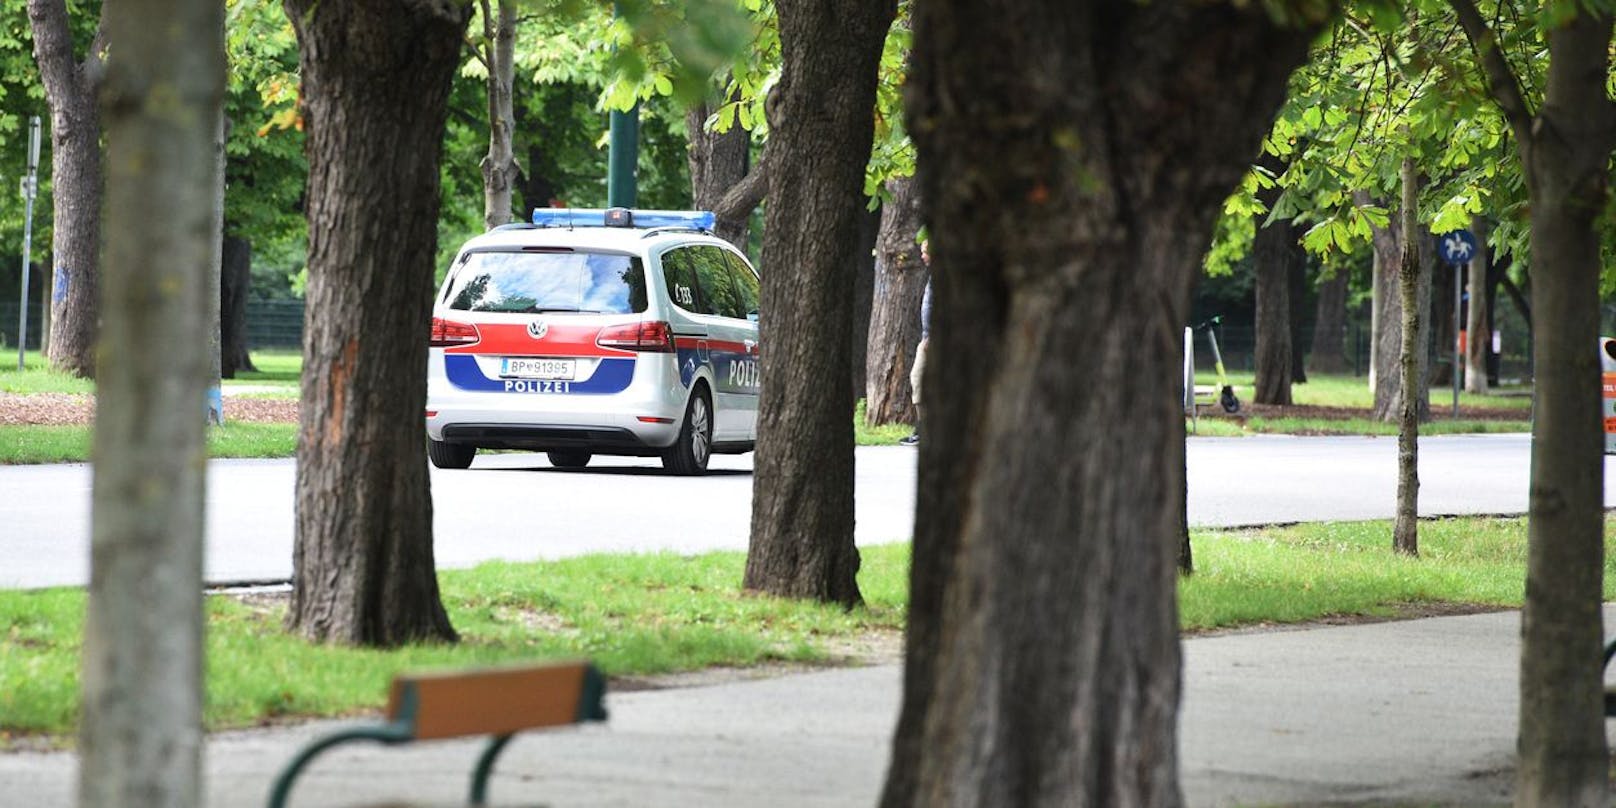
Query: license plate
517,367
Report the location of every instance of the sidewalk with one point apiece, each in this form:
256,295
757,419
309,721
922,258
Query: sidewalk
1421,711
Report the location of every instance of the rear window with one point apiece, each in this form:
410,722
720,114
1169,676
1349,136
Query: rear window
531,282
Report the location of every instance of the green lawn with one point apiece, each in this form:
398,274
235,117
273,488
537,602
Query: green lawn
278,372
648,614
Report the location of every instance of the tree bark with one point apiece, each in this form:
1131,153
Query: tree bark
822,128
1389,245
235,284
1565,152
863,299
1410,366
375,88
1272,252
70,88
1478,327
895,314
1072,159
719,161
499,165
141,731
1298,300
1329,353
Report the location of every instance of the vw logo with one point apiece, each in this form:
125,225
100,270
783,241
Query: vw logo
537,329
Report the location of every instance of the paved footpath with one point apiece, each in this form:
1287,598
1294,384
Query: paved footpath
1420,712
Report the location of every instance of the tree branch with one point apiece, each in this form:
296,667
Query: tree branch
1502,83
744,196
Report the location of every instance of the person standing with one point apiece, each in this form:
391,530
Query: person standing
919,369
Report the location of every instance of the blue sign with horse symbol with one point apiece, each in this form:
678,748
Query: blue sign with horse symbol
1457,247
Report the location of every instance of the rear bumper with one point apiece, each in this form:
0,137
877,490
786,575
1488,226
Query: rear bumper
551,437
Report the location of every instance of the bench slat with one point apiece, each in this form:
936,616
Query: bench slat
495,701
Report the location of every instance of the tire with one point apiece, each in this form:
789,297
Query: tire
690,451
450,455
569,460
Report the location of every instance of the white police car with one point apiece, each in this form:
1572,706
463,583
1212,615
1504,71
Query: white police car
619,332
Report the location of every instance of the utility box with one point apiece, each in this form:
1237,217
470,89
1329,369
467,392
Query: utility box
1607,361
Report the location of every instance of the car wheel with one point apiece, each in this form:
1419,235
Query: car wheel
690,451
450,455
569,460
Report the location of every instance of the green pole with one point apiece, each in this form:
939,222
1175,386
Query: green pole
621,189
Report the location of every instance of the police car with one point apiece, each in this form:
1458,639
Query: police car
585,332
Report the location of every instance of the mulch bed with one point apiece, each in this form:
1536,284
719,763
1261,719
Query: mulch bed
56,409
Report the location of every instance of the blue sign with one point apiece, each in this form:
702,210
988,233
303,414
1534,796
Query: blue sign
1457,247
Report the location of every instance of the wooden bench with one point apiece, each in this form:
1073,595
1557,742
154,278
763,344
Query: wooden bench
497,702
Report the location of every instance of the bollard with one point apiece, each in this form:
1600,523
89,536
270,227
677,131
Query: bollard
1607,360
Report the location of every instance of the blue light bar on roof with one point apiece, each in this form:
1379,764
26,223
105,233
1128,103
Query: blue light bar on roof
623,217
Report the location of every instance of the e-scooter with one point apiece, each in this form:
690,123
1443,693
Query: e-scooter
1226,396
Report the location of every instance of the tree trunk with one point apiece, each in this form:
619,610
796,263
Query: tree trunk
235,282
1388,247
1565,153
499,165
719,161
141,730
215,284
863,299
1272,251
71,88
1478,327
1330,325
1072,158
802,502
375,89
895,315
1410,362
1298,299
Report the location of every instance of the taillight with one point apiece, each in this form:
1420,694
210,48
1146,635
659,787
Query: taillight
446,333
652,337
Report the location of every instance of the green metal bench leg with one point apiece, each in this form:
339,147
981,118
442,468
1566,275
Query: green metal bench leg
386,733
485,767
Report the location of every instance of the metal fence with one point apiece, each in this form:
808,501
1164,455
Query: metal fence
274,324
8,326
1238,346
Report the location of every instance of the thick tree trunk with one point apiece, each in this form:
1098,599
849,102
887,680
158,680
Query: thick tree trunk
719,161
1565,152
70,87
1478,326
802,502
499,165
1072,158
141,731
235,283
1329,353
1411,280
895,316
1299,287
863,299
375,89
1273,250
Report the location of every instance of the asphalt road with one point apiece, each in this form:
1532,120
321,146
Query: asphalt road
514,506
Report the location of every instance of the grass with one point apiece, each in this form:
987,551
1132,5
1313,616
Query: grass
631,614
658,613
37,377
278,373
71,443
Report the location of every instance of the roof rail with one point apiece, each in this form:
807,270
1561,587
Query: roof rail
657,231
